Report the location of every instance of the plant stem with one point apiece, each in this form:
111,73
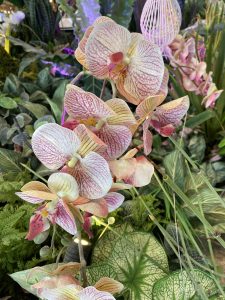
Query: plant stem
103,89
82,260
77,78
114,90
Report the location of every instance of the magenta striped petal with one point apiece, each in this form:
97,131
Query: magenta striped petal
67,292
93,176
64,218
38,224
114,200
54,145
145,71
106,39
91,293
117,138
97,207
29,198
83,105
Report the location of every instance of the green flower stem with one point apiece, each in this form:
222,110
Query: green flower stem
103,88
82,260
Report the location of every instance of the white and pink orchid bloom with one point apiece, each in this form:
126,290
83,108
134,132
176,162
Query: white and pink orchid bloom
75,152
109,120
62,188
136,172
162,118
109,50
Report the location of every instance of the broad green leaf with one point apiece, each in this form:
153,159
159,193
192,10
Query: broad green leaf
26,62
197,147
12,86
200,119
27,47
9,161
181,286
44,79
7,103
222,143
95,272
175,167
36,109
137,259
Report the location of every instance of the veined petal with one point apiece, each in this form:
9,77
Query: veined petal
91,293
147,138
114,200
164,85
96,207
118,186
145,71
109,285
142,174
36,196
147,106
70,269
38,224
54,145
35,186
106,39
123,168
171,112
64,218
123,116
83,105
117,138
127,95
89,141
64,185
68,292
93,176
80,51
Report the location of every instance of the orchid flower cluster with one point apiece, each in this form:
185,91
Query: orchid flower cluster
90,154
184,54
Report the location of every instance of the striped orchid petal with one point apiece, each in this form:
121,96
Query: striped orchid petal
35,186
147,138
114,200
145,71
67,292
89,141
106,39
109,285
91,293
92,175
123,116
64,218
117,138
64,185
84,105
54,145
96,207
80,51
38,224
146,107
36,197
164,85
172,112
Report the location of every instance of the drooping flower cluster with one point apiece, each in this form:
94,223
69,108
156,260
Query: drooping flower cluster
183,55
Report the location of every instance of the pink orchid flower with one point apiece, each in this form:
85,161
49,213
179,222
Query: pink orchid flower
62,188
212,95
76,152
109,120
67,288
162,118
109,50
133,171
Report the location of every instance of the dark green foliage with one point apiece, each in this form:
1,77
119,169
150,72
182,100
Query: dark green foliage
8,64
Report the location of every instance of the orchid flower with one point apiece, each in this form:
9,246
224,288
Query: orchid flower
67,288
62,188
134,171
162,118
109,50
77,153
109,120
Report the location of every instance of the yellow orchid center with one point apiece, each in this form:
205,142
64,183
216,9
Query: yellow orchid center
73,161
44,213
89,122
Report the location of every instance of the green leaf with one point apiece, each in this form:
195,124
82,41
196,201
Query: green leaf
180,286
197,147
36,109
200,119
137,259
44,79
8,103
27,47
12,86
9,161
26,62
119,11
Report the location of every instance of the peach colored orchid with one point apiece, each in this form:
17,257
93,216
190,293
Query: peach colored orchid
109,50
109,120
162,118
78,150
62,188
134,171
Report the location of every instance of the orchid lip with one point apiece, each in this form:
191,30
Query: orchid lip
73,161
